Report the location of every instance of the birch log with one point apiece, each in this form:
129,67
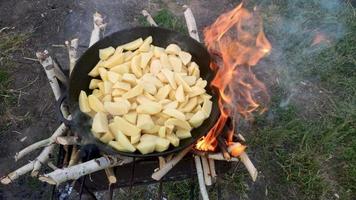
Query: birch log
72,47
212,169
74,172
99,25
200,175
249,166
149,18
17,173
206,170
191,24
169,165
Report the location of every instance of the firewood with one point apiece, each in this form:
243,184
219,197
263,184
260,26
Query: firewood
220,156
206,170
191,24
110,174
169,165
74,172
249,166
200,175
75,155
149,18
212,169
99,25
161,161
67,140
72,47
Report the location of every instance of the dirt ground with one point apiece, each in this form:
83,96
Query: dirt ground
48,22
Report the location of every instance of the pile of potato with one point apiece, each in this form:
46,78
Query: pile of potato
145,97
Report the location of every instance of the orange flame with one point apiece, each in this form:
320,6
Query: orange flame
320,38
237,42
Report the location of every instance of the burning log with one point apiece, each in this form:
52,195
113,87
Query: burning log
170,164
200,175
74,172
149,18
99,25
223,148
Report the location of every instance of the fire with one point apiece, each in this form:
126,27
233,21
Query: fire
237,43
320,38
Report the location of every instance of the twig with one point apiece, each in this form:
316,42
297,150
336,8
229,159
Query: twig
249,166
206,170
41,159
162,161
220,156
72,47
52,166
200,175
191,24
149,18
169,165
59,45
60,130
17,173
74,172
99,25
32,59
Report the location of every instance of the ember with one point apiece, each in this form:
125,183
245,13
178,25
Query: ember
237,42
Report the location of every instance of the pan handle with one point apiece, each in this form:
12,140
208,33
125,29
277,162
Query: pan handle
59,104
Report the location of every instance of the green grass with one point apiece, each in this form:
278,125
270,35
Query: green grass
166,19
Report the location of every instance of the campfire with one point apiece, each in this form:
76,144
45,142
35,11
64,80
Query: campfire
237,43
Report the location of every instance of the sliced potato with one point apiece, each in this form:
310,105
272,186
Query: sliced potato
152,131
100,123
170,77
107,137
117,108
121,124
185,57
129,78
106,53
180,94
98,93
145,59
137,90
103,74
122,68
146,147
173,139
161,144
145,46
148,138
135,66
116,145
94,83
172,104
183,134
131,117
190,80
113,77
124,141
175,62
135,139
95,104
157,51
197,119
174,113
196,91
163,92
149,108
107,98
117,92
133,45
179,123
165,61
83,102
152,79
190,105
206,108
116,59
173,49
149,87
180,81
201,83
144,121
162,132
122,86
155,66
107,87
95,71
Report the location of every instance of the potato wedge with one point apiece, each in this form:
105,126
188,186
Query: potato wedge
180,94
173,139
83,102
116,59
107,87
170,77
183,134
116,145
122,86
94,83
106,53
157,51
207,106
107,137
137,90
162,132
174,113
100,123
133,45
179,123
190,105
122,68
131,117
129,78
197,119
135,139
150,108
117,92
103,73
123,126
124,141
145,59
155,66
95,71
113,77
117,108
161,144
173,49
144,122
152,131
163,92
95,104
135,66
175,62
172,104
185,57
165,61
145,46
180,81
146,147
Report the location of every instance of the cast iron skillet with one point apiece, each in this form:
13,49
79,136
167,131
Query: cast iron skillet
79,80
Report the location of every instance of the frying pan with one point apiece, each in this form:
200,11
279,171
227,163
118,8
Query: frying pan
79,80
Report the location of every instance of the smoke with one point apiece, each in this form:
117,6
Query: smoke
299,30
